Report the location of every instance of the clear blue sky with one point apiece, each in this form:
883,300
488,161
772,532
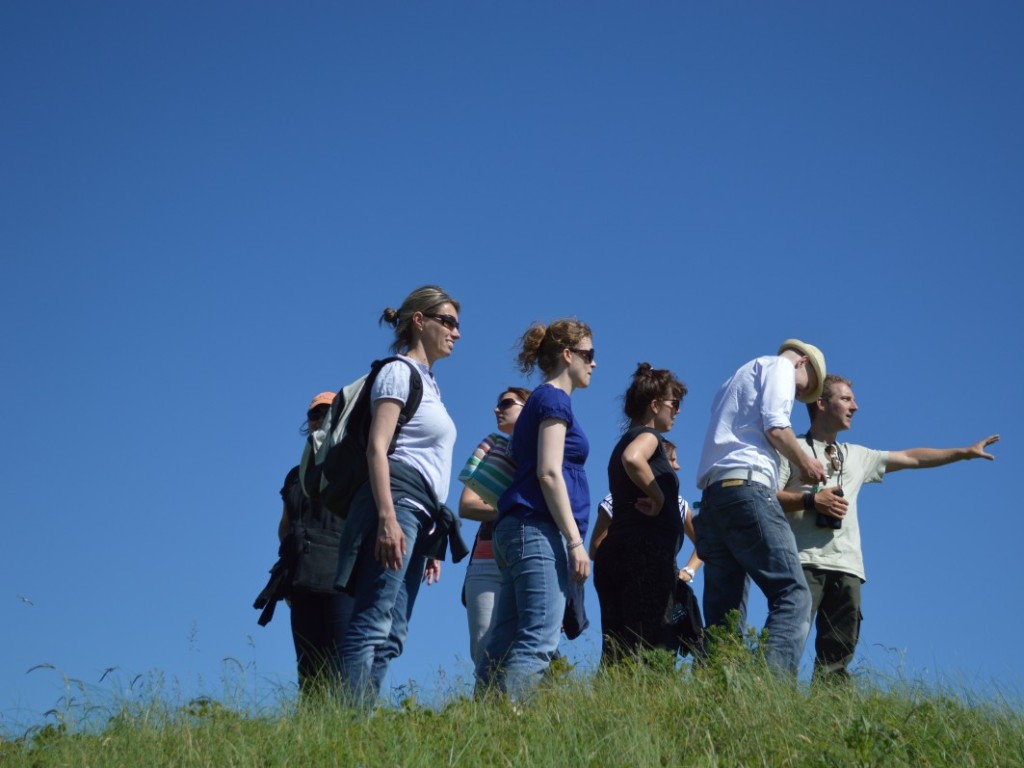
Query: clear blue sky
205,207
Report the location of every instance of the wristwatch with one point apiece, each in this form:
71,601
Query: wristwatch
690,571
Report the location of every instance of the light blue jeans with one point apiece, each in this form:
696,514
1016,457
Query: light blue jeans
528,618
742,531
483,585
383,606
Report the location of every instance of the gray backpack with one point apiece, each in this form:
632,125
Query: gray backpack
333,466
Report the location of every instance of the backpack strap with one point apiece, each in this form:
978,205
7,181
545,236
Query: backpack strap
412,403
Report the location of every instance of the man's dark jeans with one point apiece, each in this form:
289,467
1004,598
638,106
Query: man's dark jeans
742,531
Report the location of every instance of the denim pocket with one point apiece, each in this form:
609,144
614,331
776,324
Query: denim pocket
509,540
741,519
745,532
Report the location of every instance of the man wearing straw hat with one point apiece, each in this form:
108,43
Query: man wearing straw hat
741,529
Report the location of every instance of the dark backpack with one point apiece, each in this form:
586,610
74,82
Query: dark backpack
308,555
314,538
334,463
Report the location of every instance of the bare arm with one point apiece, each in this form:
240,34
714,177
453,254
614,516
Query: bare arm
391,544
694,563
550,451
790,501
784,441
923,458
825,501
599,531
472,507
636,461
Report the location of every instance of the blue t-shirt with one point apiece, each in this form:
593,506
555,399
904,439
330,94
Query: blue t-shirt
524,498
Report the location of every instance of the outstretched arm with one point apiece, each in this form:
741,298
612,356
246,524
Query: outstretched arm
922,458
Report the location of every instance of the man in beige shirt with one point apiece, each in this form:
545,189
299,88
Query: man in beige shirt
825,522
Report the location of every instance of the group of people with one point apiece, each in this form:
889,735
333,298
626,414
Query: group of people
771,511
780,509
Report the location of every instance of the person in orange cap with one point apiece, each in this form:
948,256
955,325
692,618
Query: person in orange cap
319,613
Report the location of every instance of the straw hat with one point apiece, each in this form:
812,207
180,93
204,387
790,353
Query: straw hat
817,361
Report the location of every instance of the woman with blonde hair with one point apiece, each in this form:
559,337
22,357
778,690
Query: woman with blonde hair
394,534
543,516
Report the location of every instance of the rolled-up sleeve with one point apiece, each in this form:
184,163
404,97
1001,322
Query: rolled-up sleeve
778,387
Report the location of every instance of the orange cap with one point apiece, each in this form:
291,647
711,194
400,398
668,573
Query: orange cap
324,398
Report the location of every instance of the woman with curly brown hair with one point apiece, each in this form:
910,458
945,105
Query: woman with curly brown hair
543,516
634,571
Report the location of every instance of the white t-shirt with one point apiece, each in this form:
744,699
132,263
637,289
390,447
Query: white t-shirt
427,441
758,397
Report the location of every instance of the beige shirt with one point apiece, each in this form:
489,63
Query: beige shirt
827,548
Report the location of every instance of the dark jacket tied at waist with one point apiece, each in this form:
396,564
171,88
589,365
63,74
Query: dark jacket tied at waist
406,483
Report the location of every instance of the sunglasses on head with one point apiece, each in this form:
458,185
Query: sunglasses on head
587,355
508,402
449,322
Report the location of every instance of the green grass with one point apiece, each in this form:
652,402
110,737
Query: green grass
731,712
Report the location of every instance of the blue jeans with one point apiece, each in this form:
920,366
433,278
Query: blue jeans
383,606
742,531
528,618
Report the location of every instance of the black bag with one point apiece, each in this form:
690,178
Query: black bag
307,559
683,624
316,557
